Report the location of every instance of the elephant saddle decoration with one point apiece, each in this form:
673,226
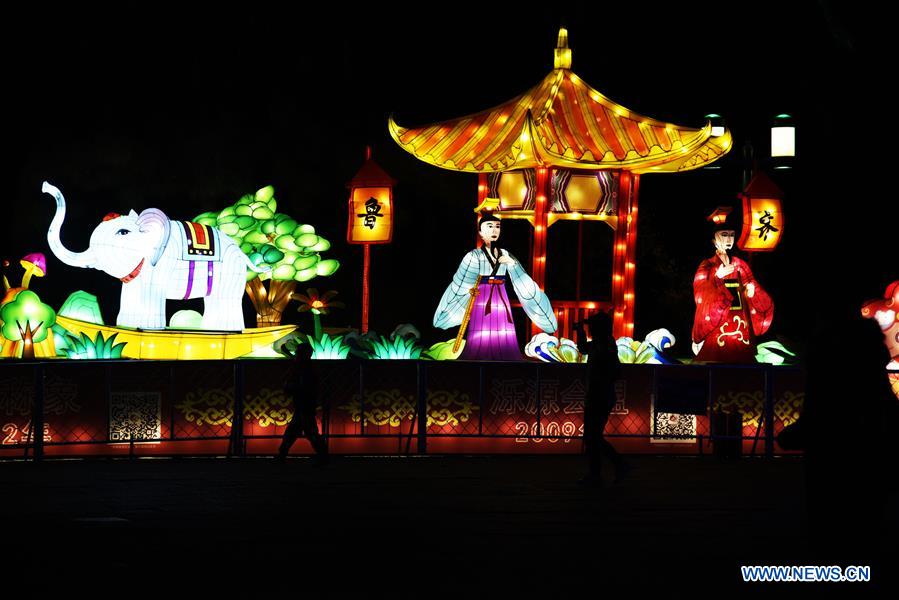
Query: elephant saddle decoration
199,244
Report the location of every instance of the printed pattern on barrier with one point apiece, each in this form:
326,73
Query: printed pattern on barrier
751,405
16,402
135,416
69,415
391,409
673,428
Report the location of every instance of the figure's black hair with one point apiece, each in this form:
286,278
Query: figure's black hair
486,217
732,222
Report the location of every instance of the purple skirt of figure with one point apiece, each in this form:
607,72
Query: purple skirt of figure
491,331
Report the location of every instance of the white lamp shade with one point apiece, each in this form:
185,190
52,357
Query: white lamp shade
783,141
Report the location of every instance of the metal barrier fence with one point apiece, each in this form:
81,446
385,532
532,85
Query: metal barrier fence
236,408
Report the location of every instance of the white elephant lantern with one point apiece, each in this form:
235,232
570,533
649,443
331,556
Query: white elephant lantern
158,259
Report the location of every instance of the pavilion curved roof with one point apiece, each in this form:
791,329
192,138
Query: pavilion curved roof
561,122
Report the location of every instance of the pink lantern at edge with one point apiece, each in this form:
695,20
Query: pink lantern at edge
885,311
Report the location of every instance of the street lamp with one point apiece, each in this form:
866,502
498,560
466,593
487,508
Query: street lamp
783,148
717,122
783,141
718,129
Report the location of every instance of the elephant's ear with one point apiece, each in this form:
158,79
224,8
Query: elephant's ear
155,222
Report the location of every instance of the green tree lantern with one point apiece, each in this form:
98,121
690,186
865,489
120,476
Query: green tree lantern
291,250
26,322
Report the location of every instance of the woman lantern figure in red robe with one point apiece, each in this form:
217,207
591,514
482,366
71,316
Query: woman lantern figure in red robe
732,309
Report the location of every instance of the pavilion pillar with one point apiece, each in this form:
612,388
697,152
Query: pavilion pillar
630,273
624,258
538,255
482,195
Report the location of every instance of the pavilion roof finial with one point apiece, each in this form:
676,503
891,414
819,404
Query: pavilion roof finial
562,54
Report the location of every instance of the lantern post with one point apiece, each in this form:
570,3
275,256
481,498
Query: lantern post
370,218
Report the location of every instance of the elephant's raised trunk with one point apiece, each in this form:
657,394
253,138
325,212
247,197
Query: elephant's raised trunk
74,259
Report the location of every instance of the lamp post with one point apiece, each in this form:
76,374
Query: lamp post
783,145
782,151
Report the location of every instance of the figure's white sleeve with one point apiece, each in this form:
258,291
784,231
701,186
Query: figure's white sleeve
455,299
534,302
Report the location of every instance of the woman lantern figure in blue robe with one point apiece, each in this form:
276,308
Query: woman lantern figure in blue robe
481,280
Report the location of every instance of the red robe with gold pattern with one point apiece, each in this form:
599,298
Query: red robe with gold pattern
727,320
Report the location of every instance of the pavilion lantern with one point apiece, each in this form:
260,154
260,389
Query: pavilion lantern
564,151
370,219
763,218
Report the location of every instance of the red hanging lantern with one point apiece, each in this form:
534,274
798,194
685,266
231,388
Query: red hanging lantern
371,205
763,218
370,218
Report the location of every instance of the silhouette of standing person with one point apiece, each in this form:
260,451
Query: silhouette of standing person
846,429
303,386
602,371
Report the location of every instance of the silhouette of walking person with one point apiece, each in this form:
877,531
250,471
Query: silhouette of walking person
602,371
303,386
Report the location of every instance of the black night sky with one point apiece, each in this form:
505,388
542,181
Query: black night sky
186,111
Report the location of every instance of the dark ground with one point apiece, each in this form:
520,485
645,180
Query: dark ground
403,527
